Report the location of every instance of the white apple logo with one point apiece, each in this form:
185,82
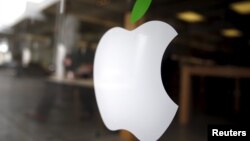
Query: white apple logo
127,79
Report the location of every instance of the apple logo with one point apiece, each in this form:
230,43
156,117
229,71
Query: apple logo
127,80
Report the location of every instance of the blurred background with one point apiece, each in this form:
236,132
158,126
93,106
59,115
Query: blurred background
47,49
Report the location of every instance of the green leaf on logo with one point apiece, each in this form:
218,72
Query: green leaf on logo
139,9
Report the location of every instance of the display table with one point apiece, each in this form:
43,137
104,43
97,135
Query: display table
84,83
73,82
214,71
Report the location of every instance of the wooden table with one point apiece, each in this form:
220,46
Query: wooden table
216,71
73,82
86,83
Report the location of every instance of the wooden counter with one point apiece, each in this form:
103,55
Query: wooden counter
215,71
73,82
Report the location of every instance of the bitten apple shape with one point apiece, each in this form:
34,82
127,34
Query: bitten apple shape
127,80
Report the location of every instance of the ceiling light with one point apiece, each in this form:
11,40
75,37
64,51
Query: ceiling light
190,16
242,7
103,2
231,32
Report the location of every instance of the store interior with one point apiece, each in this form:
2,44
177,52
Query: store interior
47,51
